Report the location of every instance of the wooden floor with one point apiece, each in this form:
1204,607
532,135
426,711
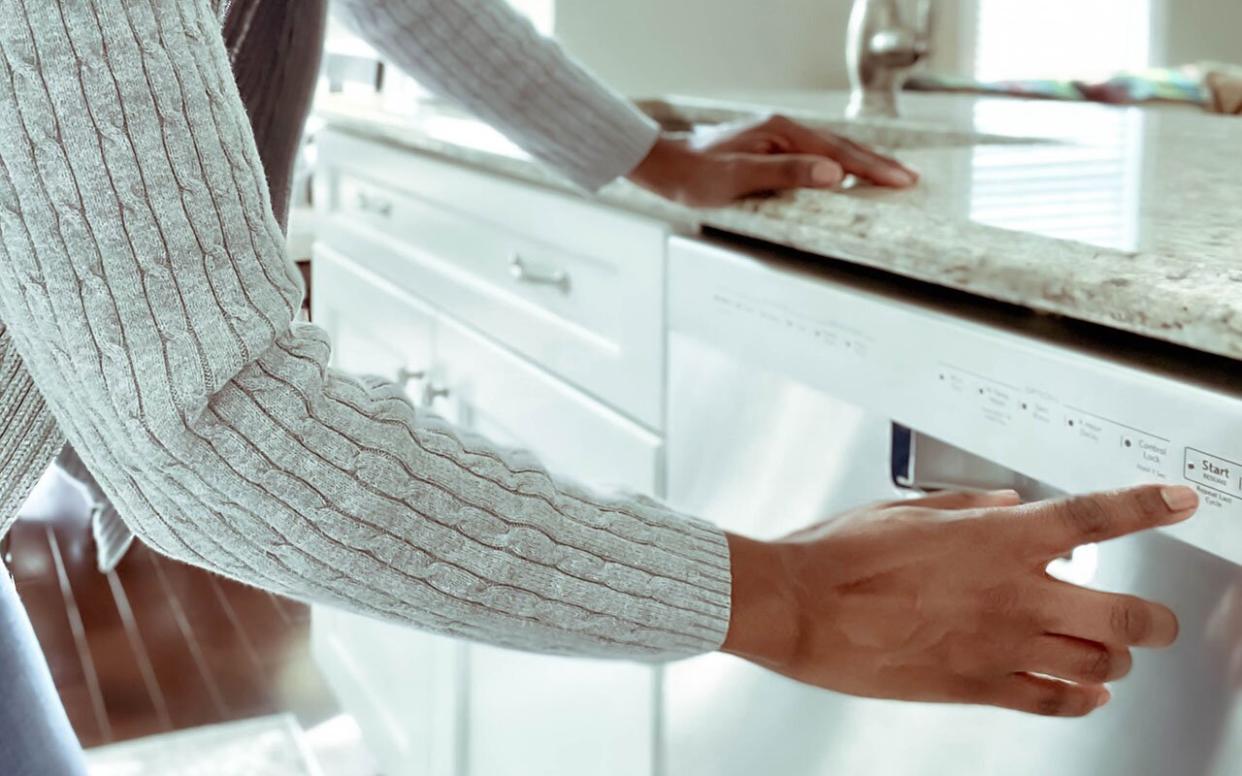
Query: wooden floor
156,645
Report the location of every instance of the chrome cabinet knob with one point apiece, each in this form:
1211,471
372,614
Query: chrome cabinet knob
370,204
433,392
523,273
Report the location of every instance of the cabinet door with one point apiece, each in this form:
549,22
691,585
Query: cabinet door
402,686
532,714
376,329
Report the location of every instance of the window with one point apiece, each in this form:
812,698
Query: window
1089,191
1072,39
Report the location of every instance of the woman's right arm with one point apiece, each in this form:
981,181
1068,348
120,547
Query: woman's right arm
146,286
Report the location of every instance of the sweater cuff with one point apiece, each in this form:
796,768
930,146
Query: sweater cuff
636,135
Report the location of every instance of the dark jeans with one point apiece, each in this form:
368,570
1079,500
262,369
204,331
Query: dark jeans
35,736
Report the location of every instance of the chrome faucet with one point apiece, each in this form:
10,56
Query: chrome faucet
886,38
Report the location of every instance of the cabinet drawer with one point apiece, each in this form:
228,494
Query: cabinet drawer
575,287
508,400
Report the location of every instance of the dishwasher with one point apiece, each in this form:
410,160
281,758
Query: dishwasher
800,388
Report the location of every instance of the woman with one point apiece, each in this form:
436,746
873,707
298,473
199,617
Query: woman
144,284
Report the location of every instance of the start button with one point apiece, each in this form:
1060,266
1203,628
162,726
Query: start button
1214,472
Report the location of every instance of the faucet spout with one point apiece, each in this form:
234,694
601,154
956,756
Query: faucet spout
886,38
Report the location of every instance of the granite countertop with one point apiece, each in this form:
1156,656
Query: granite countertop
1130,218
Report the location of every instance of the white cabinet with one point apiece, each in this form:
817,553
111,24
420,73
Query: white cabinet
403,687
533,714
375,328
429,705
573,286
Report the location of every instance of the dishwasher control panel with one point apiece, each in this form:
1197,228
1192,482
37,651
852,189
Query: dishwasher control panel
1089,440
1075,420
1081,424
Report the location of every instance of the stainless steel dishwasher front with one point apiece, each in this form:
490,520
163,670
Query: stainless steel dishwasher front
763,452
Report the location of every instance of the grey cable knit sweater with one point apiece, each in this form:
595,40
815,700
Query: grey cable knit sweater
144,283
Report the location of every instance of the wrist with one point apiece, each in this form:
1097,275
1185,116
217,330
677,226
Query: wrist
763,623
666,168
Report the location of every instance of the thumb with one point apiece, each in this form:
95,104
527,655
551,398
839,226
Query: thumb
753,173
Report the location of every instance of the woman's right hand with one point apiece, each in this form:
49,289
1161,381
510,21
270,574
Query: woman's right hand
947,599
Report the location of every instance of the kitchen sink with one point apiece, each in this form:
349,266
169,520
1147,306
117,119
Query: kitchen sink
894,134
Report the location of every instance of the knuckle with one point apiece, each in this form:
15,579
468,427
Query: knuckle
835,142
796,170
1062,701
1098,666
1122,662
1003,599
1051,702
1132,621
1081,704
1088,517
1149,503
766,145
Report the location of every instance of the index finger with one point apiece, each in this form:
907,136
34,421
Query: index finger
1053,528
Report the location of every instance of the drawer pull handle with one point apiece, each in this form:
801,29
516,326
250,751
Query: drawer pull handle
433,392
407,376
558,279
369,204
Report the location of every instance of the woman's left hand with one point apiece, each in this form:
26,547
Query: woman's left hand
774,155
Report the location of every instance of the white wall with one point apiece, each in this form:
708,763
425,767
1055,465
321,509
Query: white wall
649,47
1189,31
658,47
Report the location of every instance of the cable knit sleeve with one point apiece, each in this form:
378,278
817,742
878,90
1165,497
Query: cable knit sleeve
491,60
145,284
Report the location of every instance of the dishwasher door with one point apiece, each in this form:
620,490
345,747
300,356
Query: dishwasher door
761,454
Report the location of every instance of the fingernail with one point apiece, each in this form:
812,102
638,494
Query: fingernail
1104,697
1179,498
1006,493
825,174
903,176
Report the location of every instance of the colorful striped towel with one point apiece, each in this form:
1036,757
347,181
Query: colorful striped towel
1215,87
